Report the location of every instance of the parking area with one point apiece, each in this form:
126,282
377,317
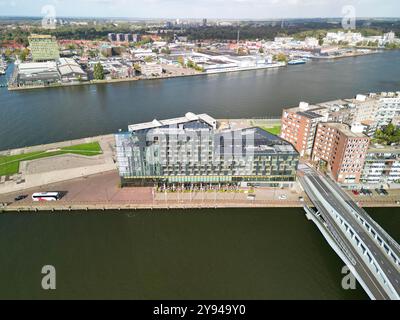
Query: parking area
376,197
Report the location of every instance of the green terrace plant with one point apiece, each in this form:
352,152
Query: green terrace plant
388,135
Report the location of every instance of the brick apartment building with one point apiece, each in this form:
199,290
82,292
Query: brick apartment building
343,150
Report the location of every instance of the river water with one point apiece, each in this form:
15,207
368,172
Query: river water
205,254
49,115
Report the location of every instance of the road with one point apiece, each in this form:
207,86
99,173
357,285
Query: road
391,271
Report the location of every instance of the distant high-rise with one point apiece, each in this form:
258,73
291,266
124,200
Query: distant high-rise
112,37
44,48
204,22
123,37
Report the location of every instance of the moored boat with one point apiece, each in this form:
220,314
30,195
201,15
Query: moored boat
296,62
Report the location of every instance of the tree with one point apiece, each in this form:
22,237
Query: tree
181,61
281,57
24,54
261,50
8,53
388,135
98,72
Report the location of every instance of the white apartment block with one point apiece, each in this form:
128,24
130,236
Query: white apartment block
382,166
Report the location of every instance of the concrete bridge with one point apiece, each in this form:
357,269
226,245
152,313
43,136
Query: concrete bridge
370,253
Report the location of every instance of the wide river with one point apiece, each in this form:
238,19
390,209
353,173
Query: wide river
206,254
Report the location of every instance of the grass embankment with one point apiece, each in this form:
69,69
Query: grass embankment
276,130
9,165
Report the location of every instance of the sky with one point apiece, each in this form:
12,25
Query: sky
212,9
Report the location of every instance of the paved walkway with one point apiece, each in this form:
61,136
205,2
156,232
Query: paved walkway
40,172
103,191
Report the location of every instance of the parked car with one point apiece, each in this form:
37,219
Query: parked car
381,192
367,192
283,197
356,193
21,197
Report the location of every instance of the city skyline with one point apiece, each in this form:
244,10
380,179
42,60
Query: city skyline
211,9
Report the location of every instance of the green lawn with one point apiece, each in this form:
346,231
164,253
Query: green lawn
274,130
9,165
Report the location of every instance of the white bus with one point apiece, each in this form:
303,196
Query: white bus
46,196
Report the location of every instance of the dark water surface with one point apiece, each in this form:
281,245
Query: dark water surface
207,254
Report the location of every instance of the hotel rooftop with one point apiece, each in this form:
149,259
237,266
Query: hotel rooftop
189,117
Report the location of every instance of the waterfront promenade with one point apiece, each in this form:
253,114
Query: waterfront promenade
102,191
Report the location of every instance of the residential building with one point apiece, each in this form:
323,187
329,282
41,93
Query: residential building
193,150
382,165
388,108
37,73
342,149
374,111
151,69
112,37
123,37
43,48
299,126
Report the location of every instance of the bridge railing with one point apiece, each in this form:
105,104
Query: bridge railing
362,216
352,236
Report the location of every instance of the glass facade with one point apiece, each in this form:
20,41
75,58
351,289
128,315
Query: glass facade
194,153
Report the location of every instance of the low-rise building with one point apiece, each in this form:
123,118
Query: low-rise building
342,149
38,73
151,69
71,71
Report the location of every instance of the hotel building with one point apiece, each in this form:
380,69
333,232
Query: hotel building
194,150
